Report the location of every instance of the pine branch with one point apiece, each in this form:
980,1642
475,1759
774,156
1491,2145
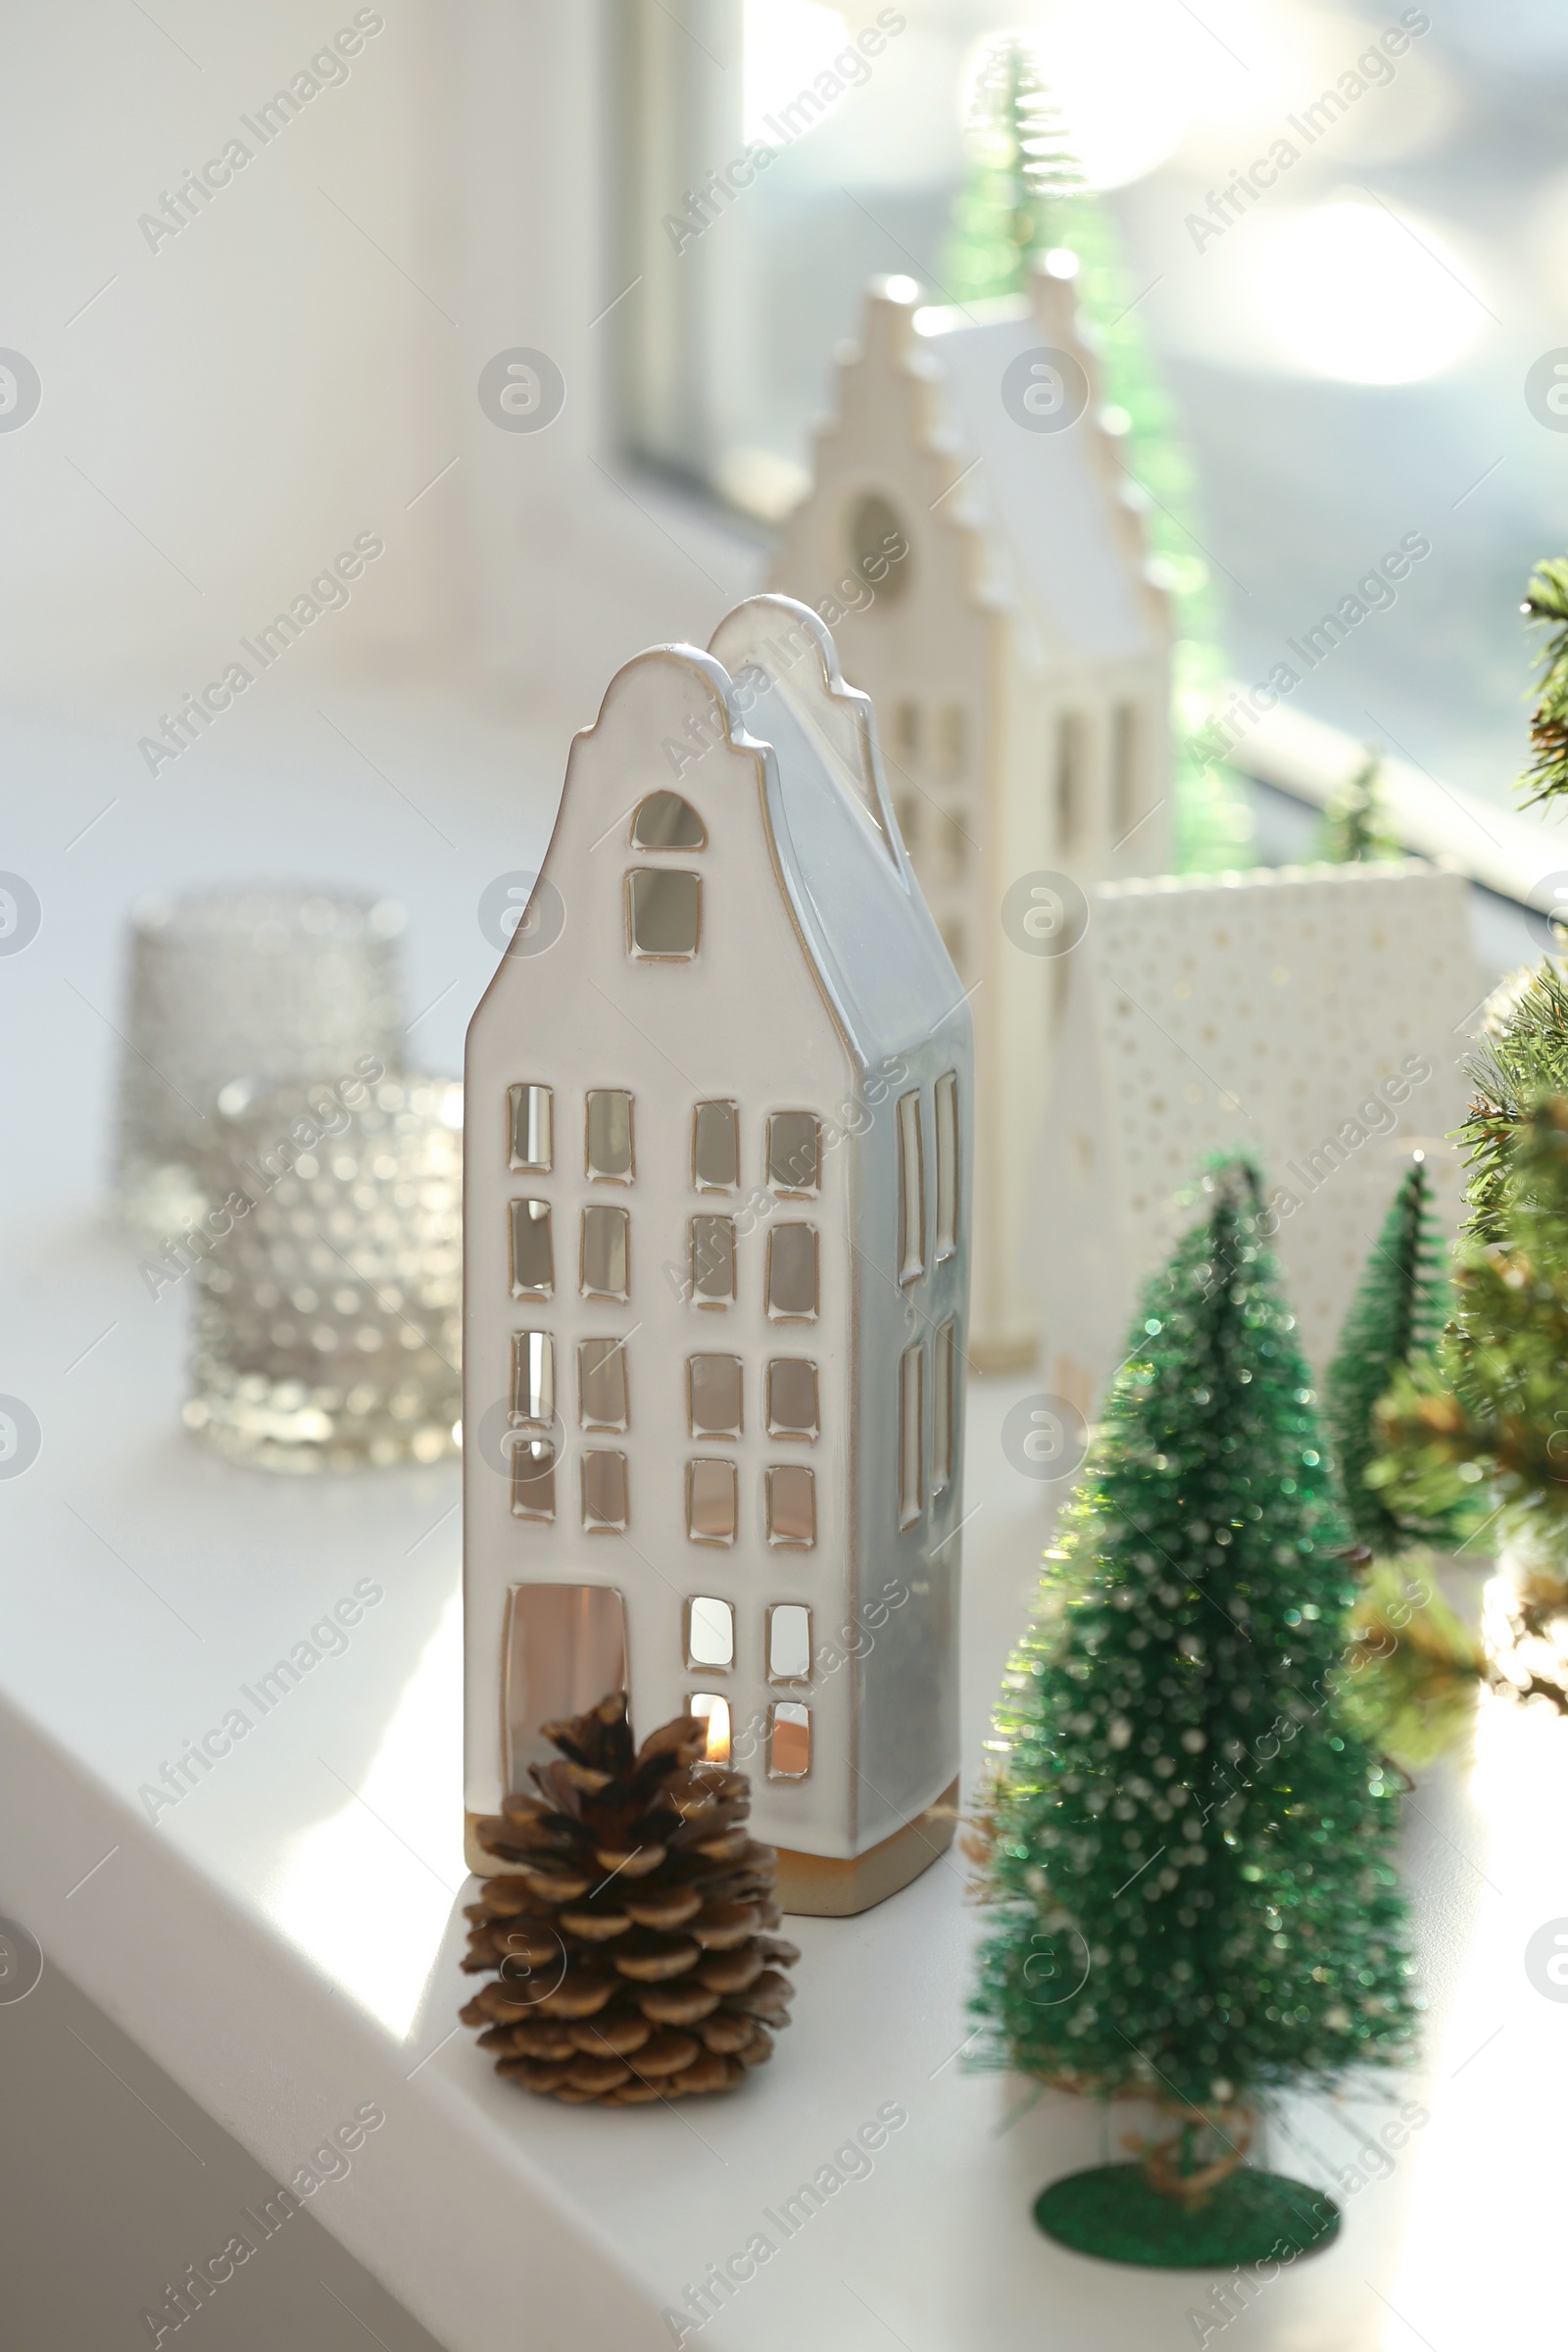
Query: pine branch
1545,606
1524,1061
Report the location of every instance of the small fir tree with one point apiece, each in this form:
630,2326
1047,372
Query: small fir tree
1025,198
1021,169
1182,1808
1394,1325
1413,1672
1355,829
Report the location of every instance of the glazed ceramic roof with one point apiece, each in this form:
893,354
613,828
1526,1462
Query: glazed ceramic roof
857,902
1046,501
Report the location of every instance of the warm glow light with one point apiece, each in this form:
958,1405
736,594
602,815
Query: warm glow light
1483,1901
389,1843
714,1712
1351,290
787,45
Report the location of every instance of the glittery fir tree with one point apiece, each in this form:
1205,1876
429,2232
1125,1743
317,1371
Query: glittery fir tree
1394,1322
1193,1850
1413,1671
1356,829
1024,199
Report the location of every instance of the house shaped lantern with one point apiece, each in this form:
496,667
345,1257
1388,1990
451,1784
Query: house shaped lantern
974,536
717,1210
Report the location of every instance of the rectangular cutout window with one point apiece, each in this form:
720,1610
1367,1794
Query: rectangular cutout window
713,1260
793,1151
528,1128
533,1377
789,1741
663,914
601,1384
1072,747
792,1505
716,1148
607,1136
710,1502
606,1247
906,730
564,1647
792,1401
533,1258
713,1711
792,1290
941,1424
713,1395
951,738
789,1643
946,1123
911,1434
533,1477
604,1492
911,1191
1123,771
956,844
709,1633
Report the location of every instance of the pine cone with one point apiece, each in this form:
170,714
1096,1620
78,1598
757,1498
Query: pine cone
631,1934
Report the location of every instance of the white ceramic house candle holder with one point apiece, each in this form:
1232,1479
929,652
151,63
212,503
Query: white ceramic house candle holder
969,534
717,1266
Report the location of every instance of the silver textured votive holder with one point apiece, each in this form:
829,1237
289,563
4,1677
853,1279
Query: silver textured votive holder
327,1326
261,983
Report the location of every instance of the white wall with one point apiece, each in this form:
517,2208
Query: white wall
301,359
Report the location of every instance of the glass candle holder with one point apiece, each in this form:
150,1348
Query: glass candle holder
329,1271
269,983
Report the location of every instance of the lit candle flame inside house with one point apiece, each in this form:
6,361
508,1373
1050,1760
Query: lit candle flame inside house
714,1712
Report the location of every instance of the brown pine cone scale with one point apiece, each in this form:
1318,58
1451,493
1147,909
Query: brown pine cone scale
629,1940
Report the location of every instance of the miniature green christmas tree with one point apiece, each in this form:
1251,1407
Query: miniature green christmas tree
1356,827
1413,1672
1021,167
1193,1852
1394,1322
1024,199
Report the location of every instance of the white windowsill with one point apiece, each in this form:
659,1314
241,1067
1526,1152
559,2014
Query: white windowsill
284,1940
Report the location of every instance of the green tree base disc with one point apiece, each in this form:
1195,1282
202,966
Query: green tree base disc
1252,2215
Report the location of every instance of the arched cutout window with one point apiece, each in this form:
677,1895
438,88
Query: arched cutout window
879,546
664,821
